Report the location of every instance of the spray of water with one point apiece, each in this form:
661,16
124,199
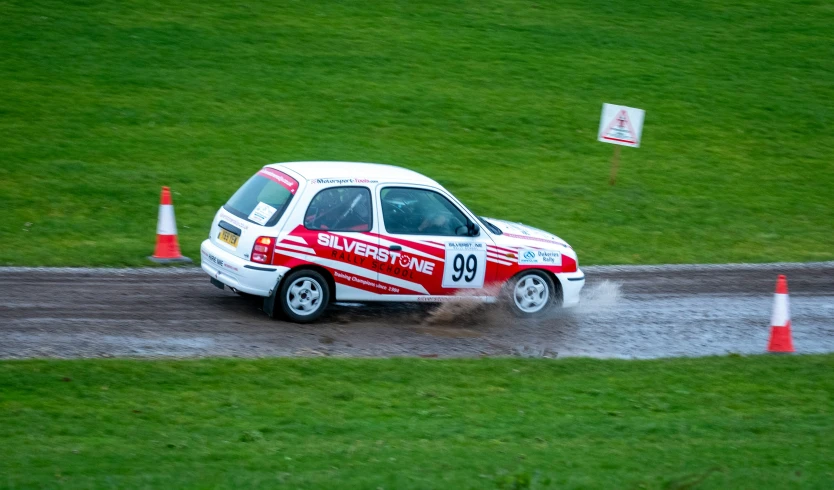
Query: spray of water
462,310
595,297
600,296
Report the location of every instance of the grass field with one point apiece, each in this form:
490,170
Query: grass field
732,422
101,103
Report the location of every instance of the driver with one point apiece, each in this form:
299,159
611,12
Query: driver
416,213
436,223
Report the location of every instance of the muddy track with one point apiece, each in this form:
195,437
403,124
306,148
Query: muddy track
629,312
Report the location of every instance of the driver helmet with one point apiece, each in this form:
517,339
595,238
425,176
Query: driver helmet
397,199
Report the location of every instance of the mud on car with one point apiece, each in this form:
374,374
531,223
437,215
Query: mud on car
304,234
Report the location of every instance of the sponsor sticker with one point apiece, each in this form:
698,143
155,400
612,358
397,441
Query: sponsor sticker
213,259
464,246
262,213
233,220
281,178
528,256
383,288
356,180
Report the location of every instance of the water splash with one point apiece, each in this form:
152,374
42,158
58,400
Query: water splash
600,296
463,310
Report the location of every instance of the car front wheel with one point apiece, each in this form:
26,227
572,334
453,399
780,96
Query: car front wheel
303,296
531,293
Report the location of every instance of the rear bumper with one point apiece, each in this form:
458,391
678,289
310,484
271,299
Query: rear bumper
572,283
242,275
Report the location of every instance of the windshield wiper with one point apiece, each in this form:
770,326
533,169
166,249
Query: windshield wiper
492,228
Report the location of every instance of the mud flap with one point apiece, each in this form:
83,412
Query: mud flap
269,301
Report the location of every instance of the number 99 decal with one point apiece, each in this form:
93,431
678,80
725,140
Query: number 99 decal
465,265
471,263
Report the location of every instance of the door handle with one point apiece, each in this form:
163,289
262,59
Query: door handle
395,247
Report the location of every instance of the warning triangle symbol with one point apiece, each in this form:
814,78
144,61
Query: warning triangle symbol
620,129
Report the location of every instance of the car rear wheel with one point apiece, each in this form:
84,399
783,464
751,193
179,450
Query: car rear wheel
303,296
531,293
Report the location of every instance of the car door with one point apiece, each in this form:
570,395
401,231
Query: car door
336,230
432,243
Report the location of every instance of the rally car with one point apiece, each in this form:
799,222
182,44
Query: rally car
303,234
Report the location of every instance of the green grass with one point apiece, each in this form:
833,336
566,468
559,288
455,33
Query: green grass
101,103
737,422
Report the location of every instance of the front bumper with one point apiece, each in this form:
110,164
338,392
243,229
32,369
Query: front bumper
572,283
239,274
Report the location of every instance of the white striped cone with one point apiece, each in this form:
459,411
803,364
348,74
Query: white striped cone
780,320
167,247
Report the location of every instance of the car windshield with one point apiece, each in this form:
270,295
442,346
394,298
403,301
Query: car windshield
264,197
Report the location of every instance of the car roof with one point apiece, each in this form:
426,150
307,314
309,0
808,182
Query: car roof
355,170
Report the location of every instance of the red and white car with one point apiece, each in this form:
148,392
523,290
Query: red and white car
304,234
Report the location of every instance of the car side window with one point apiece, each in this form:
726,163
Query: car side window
411,211
340,209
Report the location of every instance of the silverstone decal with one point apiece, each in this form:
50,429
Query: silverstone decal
465,265
376,258
528,256
278,177
262,213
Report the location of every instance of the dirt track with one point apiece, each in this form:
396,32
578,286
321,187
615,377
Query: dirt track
626,312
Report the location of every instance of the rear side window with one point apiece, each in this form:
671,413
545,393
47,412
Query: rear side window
340,209
264,197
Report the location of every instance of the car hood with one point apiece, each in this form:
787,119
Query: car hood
519,235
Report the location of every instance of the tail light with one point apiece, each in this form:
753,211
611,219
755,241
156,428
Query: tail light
263,249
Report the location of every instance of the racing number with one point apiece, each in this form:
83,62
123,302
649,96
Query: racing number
461,265
465,265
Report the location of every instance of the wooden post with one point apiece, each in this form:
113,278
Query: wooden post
615,163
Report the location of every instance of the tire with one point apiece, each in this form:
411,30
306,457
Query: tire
530,293
303,296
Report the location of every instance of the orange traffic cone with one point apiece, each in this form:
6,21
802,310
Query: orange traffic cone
167,248
780,321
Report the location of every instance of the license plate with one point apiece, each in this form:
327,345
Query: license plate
228,237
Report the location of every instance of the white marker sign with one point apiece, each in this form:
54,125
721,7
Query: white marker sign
621,125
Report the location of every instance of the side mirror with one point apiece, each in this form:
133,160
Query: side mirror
473,228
